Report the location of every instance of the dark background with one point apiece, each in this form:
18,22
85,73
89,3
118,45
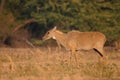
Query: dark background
30,19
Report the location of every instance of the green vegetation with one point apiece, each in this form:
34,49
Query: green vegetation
83,15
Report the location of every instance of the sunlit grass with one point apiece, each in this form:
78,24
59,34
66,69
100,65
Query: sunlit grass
101,70
55,65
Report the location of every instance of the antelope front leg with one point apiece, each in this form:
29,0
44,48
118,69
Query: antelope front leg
73,53
75,58
70,57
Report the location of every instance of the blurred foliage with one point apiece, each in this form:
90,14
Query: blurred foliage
83,15
7,24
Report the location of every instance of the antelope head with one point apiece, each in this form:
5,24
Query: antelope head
50,34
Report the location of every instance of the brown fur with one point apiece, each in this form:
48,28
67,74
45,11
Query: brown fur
75,40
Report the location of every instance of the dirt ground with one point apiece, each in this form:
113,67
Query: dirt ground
54,64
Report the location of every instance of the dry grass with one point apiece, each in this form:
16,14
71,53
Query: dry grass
52,64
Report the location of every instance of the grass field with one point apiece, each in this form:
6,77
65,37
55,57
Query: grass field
53,64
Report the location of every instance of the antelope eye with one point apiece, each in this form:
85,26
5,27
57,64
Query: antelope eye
48,32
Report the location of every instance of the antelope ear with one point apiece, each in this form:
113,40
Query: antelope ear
55,28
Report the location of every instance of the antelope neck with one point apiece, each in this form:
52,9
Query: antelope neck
60,37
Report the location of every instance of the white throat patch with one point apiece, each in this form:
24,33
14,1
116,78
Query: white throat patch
54,37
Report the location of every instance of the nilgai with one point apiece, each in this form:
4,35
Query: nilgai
76,40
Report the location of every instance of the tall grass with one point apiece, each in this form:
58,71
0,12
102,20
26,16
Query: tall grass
54,65
100,70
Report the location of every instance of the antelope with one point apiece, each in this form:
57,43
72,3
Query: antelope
76,40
